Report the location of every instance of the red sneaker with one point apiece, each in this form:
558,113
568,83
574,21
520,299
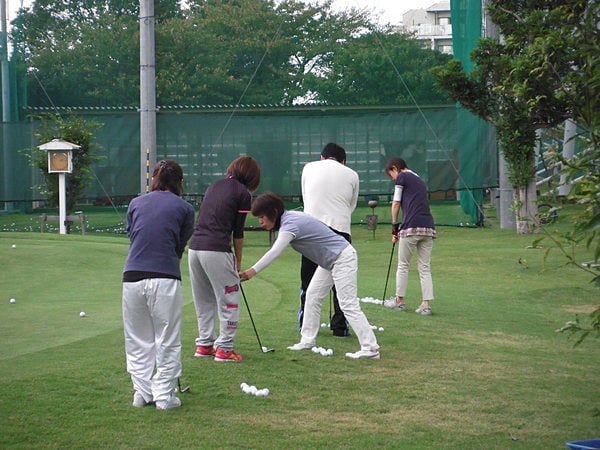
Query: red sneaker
222,355
204,351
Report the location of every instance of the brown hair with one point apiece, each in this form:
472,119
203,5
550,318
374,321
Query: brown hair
398,163
268,204
167,176
246,170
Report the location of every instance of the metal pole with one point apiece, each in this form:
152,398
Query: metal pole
147,92
6,156
4,58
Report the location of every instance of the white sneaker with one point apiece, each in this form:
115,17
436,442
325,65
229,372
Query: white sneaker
138,400
364,354
172,402
391,303
301,346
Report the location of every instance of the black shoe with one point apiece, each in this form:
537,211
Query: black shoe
341,333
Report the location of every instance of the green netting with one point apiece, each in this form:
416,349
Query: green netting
282,141
475,135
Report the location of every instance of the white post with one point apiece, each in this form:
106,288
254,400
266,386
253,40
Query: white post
62,203
564,188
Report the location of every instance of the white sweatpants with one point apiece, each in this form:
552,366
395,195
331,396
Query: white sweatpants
152,325
343,275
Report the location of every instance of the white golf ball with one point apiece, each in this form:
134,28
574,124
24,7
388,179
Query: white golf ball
315,349
380,328
323,325
12,300
253,390
82,314
329,351
14,246
323,352
243,385
246,389
266,391
260,393
373,327
264,349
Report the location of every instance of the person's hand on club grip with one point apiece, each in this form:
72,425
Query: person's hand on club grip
395,230
247,274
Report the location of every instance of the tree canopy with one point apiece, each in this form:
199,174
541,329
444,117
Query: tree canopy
86,53
533,76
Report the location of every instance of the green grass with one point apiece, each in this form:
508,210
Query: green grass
487,370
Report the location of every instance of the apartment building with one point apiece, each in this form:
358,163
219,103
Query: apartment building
432,25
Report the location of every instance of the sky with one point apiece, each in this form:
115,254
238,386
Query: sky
388,10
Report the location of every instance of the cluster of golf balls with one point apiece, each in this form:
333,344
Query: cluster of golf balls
376,328
253,390
371,300
322,351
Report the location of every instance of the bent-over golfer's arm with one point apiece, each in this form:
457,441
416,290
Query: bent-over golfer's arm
282,241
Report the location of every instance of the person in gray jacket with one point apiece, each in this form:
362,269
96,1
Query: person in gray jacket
338,265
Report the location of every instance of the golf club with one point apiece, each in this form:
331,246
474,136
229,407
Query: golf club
262,349
387,277
185,389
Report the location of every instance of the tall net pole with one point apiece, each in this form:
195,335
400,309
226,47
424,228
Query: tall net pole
147,93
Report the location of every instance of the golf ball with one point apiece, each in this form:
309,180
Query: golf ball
380,328
323,352
329,351
12,300
264,349
253,390
14,246
82,314
243,386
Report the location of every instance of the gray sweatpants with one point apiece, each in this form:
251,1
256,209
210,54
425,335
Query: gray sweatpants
216,291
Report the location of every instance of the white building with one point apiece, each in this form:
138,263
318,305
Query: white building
433,26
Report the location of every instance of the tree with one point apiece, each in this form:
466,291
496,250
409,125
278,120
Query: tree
78,131
521,82
213,52
379,68
82,52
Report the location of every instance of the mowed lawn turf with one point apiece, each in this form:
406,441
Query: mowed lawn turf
487,370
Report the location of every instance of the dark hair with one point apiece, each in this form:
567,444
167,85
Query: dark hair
333,150
167,176
268,204
246,170
398,163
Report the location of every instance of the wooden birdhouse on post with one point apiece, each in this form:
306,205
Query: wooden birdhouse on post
60,160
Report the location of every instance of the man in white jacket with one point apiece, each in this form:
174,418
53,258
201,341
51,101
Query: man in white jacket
329,193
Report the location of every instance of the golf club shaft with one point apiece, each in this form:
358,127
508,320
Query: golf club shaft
387,277
251,319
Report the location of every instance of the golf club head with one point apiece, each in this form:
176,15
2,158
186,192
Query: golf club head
267,350
185,389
